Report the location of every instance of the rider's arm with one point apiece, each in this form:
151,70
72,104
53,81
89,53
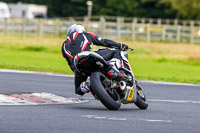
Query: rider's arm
105,42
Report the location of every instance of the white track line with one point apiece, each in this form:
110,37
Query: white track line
168,83
123,118
174,101
32,72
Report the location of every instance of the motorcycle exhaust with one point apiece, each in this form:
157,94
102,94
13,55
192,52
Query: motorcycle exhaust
122,85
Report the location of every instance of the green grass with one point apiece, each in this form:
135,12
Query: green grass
34,48
146,66
166,70
37,58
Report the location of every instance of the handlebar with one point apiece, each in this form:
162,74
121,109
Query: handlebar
130,49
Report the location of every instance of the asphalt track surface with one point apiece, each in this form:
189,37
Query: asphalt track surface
173,108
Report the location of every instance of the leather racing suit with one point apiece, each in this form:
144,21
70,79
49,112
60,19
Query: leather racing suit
79,42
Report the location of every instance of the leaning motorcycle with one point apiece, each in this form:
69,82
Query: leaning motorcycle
111,92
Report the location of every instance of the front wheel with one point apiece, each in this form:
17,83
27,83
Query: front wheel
109,98
141,99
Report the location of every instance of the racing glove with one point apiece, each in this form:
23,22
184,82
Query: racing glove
124,47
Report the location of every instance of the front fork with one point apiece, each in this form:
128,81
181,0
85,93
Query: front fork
131,91
130,95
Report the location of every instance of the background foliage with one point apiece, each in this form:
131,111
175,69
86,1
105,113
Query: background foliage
187,9
184,9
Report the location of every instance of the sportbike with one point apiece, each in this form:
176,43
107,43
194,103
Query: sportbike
110,91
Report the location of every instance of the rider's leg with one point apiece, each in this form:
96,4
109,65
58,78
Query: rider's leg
81,86
114,70
113,59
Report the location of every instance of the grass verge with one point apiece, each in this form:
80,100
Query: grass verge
160,62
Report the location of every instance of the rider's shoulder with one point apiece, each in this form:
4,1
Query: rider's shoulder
92,34
67,41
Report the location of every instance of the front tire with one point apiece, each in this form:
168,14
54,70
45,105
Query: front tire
141,99
112,102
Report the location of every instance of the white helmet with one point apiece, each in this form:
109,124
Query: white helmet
76,28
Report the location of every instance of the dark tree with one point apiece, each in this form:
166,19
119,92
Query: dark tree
128,8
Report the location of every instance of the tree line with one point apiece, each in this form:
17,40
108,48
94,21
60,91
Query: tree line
180,9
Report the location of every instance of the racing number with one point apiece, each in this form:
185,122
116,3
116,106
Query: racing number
130,96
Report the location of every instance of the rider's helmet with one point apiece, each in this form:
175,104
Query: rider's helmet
76,28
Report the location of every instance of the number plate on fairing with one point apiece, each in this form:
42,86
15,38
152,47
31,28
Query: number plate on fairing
129,98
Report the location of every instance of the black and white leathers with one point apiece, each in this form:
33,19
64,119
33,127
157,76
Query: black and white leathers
79,42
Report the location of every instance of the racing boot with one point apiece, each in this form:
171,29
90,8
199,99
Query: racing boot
85,87
113,71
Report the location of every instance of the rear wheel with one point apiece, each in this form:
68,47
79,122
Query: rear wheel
109,98
141,99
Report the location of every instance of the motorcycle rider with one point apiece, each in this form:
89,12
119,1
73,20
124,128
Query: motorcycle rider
78,40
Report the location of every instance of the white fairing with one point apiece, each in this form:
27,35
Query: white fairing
116,63
122,53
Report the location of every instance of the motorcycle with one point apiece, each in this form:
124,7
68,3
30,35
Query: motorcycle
111,92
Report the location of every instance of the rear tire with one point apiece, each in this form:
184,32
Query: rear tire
111,102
